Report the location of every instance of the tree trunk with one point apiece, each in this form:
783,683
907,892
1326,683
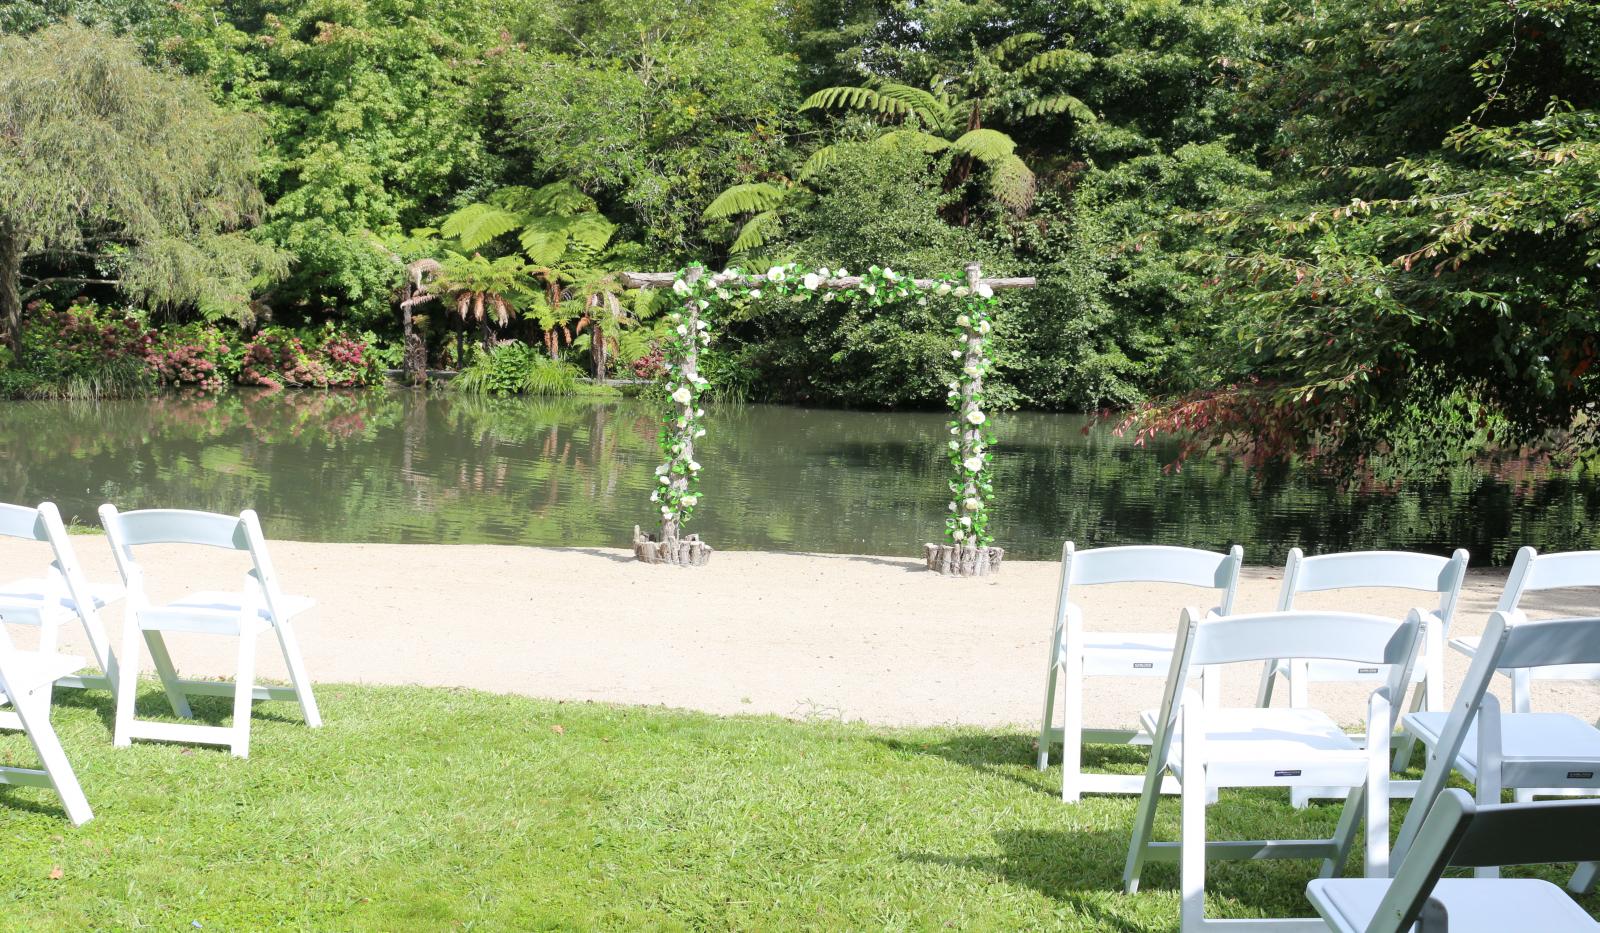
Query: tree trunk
10,295
597,339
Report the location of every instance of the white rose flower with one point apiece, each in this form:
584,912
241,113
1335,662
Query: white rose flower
972,504
973,464
983,327
984,291
966,522
961,291
954,445
682,396
870,289
811,281
699,412
704,304
955,354
942,289
952,506
842,272
958,536
681,287
694,467
775,274
824,272
689,502
755,293
724,294
663,480
962,320
683,329
975,417
700,433
971,370
889,274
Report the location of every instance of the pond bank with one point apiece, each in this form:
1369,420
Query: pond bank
869,638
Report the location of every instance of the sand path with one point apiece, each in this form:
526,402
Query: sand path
858,638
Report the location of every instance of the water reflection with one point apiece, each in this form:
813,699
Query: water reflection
402,466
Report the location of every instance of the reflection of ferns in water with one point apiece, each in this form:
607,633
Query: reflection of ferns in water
514,368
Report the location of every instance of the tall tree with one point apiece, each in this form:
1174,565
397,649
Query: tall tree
116,174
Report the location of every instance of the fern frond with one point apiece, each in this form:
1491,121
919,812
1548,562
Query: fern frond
544,239
589,233
750,198
929,109
477,224
1012,184
757,232
1056,60
1014,43
986,145
1062,103
560,198
818,161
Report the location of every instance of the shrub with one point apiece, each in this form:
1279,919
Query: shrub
514,368
81,351
278,358
197,355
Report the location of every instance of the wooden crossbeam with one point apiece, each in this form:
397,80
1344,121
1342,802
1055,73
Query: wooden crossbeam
665,280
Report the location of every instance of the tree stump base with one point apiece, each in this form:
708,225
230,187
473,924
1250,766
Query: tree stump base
956,561
682,552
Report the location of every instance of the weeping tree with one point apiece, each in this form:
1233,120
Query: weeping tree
116,174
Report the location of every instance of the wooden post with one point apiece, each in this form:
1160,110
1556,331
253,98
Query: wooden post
668,547
968,558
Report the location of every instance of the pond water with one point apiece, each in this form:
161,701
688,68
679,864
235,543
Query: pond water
412,467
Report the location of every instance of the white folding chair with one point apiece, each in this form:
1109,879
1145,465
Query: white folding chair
1076,654
27,679
1209,749
1543,753
1535,572
61,595
258,607
1457,832
1396,570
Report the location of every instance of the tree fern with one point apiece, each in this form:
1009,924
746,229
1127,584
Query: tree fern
1062,103
927,142
1056,60
545,239
752,198
897,100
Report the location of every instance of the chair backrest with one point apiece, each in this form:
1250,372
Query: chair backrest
1149,564
1457,832
241,532
1403,570
1510,640
1332,636
1532,571
43,523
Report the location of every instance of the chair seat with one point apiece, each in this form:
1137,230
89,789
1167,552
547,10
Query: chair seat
1473,905
28,670
215,613
1469,647
1252,747
1126,654
1321,670
1527,740
35,600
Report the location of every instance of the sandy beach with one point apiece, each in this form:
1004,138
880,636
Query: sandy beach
875,639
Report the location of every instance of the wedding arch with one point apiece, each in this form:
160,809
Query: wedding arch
968,548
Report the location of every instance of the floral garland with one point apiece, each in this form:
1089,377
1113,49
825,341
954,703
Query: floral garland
970,449
677,491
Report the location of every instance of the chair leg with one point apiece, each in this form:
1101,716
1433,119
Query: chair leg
1047,721
297,673
1192,820
1144,819
1406,743
1583,879
34,710
168,673
1072,730
244,693
1344,836
1490,778
127,682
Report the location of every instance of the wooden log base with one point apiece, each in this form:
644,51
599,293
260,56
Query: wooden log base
683,552
957,561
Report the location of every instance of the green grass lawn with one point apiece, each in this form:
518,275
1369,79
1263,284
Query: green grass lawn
438,809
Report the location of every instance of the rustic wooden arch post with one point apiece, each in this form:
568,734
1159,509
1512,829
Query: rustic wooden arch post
970,552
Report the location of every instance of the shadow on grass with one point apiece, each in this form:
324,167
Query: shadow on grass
151,703
1013,756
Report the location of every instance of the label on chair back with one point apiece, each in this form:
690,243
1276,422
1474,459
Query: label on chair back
1286,773
1580,775
1143,665
1366,670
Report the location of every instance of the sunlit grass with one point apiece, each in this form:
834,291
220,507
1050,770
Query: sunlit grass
438,809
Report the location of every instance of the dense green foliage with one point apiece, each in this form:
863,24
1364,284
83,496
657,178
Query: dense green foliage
1292,228
546,815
